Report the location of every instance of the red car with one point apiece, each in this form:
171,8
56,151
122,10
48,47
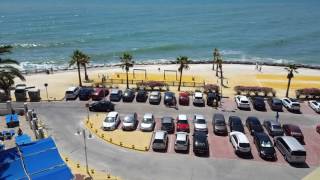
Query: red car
99,93
184,98
318,128
182,123
294,131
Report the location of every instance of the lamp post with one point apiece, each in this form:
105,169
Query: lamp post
83,131
88,112
220,90
46,86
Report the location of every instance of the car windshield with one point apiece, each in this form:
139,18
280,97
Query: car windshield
181,142
69,92
294,104
198,97
276,127
244,145
244,101
266,143
200,121
158,141
109,119
220,123
147,120
183,121
128,120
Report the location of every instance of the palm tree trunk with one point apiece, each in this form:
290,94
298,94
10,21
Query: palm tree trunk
86,77
180,80
213,65
217,69
288,87
221,74
127,80
79,75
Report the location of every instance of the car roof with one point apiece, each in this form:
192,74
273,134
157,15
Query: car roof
147,115
292,127
262,136
182,117
184,94
129,116
112,114
218,116
114,91
242,138
276,99
167,119
154,93
199,116
274,122
292,143
169,93
242,97
71,88
198,94
182,136
159,134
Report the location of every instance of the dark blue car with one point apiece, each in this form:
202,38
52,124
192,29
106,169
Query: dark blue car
85,93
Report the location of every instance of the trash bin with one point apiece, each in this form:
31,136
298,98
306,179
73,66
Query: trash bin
20,93
34,95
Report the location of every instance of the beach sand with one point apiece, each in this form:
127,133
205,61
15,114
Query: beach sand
234,74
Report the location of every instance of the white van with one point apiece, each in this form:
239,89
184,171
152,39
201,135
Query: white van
72,93
291,149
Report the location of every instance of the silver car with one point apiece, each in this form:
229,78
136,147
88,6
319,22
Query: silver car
273,127
130,122
200,123
160,141
148,122
182,141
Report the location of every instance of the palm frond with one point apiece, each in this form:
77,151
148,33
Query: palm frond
5,49
9,61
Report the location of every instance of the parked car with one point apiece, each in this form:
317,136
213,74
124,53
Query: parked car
219,124
167,124
169,99
235,124
101,106
148,122
275,104
273,127
264,146
200,143
155,97
85,93
182,141
242,102
318,128
254,125
130,121
291,104
99,93
200,123
211,98
240,143
291,149
198,99
315,105
184,98
182,123
142,96
258,103
72,93
115,95
294,131
160,141
128,95
111,122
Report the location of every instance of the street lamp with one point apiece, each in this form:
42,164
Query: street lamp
46,86
83,131
220,90
88,112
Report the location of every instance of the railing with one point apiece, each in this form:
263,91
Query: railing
169,83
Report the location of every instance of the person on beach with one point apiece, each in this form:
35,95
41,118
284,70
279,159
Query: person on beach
260,68
257,65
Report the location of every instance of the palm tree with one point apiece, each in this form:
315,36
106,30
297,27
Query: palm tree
76,58
84,61
126,63
184,64
8,71
215,56
291,69
219,62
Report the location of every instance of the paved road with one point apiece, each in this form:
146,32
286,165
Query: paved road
63,118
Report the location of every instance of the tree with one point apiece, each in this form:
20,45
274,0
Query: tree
183,61
215,56
126,63
292,68
85,59
76,59
8,71
219,62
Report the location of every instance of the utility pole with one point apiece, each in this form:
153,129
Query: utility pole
85,149
46,86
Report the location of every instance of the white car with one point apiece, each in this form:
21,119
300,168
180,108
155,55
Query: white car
148,122
182,141
291,104
198,99
240,142
200,123
315,105
242,102
111,122
72,93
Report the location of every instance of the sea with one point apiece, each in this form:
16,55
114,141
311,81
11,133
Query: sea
44,33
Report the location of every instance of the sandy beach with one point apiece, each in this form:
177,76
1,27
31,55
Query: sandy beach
234,74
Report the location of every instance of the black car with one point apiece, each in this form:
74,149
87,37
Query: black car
264,146
254,125
169,99
235,124
85,93
275,104
200,143
142,96
212,99
101,106
115,95
258,103
128,95
219,124
167,124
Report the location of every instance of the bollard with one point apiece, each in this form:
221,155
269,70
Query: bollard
102,135
146,148
120,143
92,171
132,146
78,165
96,131
66,159
108,176
87,121
110,140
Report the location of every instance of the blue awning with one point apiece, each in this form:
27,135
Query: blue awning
23,139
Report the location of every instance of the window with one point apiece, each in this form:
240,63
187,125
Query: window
244,145
235,138
299,153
